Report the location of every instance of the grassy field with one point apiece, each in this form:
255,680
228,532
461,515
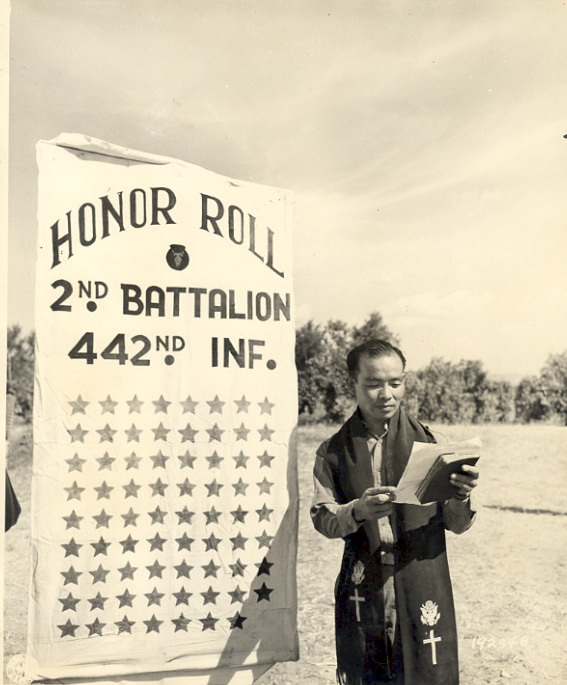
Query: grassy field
509,571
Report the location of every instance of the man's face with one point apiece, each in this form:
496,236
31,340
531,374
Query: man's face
379,387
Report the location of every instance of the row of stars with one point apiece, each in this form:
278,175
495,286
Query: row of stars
159,460
189,405
107,433
98,602
74,491
158,516
152,625
184,542
155,570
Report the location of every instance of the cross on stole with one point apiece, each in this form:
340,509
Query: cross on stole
432,640
357,599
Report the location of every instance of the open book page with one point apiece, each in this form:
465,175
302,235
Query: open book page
423,456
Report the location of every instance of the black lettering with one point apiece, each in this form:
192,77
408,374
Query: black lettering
134,208
109,209
164,210
207,218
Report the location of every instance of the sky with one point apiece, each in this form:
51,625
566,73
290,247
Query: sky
423,141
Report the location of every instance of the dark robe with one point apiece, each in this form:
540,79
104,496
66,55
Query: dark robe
12,506
424,599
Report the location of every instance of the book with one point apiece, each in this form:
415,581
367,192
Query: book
426,476
436,486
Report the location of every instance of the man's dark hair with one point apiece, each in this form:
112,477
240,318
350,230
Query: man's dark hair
371,348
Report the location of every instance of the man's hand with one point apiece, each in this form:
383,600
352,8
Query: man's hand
465,480
374,503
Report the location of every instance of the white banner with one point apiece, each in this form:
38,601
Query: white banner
164,516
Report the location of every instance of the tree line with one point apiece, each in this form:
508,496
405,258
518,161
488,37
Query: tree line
441,392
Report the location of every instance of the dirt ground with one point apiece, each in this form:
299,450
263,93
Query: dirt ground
509,571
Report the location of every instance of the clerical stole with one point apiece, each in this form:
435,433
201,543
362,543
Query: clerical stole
424,598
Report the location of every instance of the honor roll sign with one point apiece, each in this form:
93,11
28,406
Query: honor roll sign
164,484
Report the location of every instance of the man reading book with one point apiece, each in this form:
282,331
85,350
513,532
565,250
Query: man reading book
394,613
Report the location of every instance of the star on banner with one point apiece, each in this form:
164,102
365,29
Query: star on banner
106,434
236,621
242,404
133,433
68,628
71,548
184,515
155,569
264,567
188,405
158,515
99,575
210,596
124,626
263,593
161,405
154,597
74,492
103,490
265,459
73,521
265,433
135,405
184,542
215,433
264,513
129,545
209,622
240,487
237,595
240,460
187,433
78,406
71,576
102,519
130,518
264,486
159,460
183,569
95,628
239,515
132,461
238,541
97,602
241,432
76,463
182,597
69,603
156,542
125,599
210,569
185,488
211,543
153,624
266,406
77,434
213,488
215,405
212,515
214,460
237,568
131,489
158,488
264,540
180,623
160,433
100,547
127,571
108,405
105,461
186,460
